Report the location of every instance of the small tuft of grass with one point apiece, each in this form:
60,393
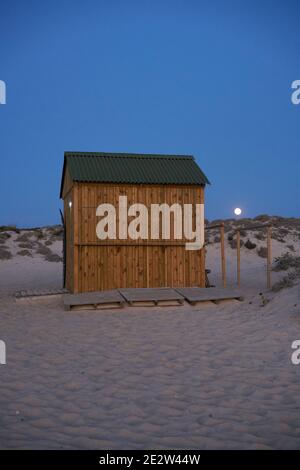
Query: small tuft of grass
286,281
53,258
24,253
260,236
250,245
27,245
38,234
277,236
4,253
4,236
286,261
56,232
291,247
43,250
48,254
243,233
24,237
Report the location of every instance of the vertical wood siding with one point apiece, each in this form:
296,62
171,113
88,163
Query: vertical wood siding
93,264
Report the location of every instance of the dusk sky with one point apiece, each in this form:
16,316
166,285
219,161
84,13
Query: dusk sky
207,78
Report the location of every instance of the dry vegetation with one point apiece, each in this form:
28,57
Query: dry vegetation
290,263
5,253
285,231
28,242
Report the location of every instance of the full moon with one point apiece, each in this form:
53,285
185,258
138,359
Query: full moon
237,211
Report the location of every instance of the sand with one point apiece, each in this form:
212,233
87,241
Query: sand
203,377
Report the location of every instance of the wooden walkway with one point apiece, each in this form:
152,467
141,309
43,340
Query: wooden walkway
163,296
94,300
195,295
28,294
143,297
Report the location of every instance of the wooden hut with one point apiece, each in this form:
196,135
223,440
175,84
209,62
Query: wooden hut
91,179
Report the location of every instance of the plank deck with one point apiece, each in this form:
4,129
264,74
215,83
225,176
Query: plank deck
94,300
162,296
193,295
147,297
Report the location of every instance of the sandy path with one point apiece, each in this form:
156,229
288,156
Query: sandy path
216,377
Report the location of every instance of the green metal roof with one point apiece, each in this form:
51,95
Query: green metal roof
133,168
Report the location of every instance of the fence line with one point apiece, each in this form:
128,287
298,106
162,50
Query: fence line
238,249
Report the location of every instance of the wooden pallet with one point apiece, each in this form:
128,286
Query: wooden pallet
195,295
94,300
148,297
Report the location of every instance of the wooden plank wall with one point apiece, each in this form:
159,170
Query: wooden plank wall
102,265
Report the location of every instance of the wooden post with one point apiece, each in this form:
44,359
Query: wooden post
238,257
223,260
269,256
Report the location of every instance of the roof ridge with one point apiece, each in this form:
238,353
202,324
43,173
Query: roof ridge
124,155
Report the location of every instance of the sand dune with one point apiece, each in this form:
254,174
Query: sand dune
215,376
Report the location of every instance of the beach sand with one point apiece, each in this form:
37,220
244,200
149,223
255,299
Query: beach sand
203,377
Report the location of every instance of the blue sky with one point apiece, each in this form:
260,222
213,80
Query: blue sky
208,78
